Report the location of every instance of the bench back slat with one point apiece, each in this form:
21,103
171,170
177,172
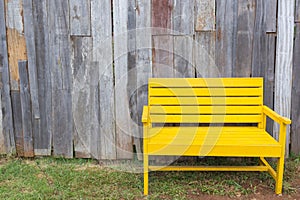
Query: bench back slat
206,100
193,110
182,101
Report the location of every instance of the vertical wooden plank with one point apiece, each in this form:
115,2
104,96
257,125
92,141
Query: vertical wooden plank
163,56
102,53
183,57
205,18
42,136
270,10
183,17
246,17
205,55
132,70
81,96
80,17
297,11
284,56
61,78
7,120
31,53
123,129
26,109
269,77
226,27
94,109
143,61
15,39
295,127
2,142
259,41
32,67
17,117
163,67
162,11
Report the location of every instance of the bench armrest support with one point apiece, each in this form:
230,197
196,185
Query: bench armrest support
145,114
276,117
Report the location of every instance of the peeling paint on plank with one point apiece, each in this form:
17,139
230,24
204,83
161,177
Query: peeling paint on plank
205,17
15,39
162,16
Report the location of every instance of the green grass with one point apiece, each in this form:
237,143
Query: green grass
50,178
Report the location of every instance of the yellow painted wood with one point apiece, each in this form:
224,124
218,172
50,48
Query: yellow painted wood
276,117
280,163
270,169
205,92
145,114
214,101
221,138
207,82
146,158
174,131
205,109
208,168
215,150
205,101
205,118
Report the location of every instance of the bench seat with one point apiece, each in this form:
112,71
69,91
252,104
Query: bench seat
212,141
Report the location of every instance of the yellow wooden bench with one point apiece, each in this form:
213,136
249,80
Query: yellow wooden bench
218,104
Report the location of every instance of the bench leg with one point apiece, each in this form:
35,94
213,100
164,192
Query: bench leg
279,177
146,174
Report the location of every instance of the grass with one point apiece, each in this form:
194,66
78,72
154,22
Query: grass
57,178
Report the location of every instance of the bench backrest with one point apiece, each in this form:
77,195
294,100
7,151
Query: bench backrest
205,100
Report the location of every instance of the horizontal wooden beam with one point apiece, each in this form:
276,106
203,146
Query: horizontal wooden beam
209,168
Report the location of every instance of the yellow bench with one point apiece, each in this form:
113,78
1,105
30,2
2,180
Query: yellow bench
208,110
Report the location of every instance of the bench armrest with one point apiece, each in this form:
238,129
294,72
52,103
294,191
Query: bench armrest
145,114
276,117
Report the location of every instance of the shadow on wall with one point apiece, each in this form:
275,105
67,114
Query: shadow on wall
137,100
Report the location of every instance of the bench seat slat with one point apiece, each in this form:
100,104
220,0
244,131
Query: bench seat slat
217,150
205,109
181,92
194,135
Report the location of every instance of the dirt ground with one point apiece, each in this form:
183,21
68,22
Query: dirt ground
261,194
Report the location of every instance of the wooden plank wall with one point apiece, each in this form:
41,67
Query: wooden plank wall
26,109
88,63
6,105
2,142
295,128
284,63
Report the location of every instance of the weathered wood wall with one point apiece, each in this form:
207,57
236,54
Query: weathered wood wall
295,128
81,91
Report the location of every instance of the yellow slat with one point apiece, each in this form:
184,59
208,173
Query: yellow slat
204,129
208,168
183,137
205,118
213,140
205,109
218,150
206,82
205,101
206,92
